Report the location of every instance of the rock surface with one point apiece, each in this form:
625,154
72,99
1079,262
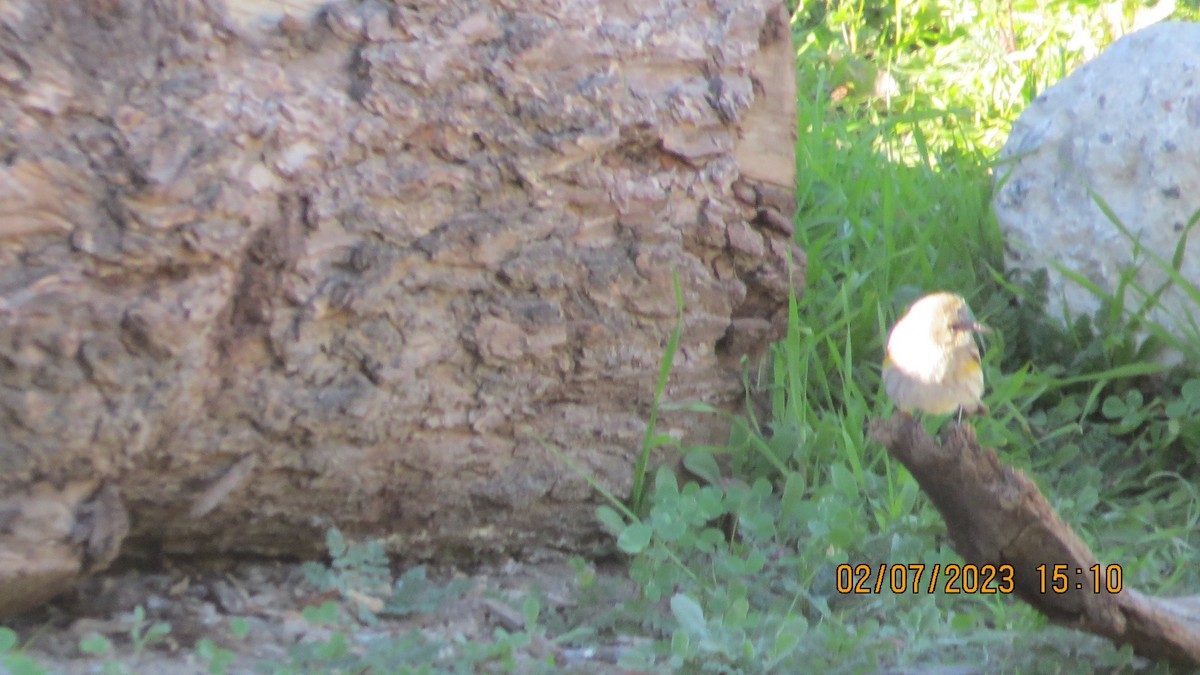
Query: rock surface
1126,128
263,273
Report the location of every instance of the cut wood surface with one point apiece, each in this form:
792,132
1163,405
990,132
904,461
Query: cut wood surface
995,515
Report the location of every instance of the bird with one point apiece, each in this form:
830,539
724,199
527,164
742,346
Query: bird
932,363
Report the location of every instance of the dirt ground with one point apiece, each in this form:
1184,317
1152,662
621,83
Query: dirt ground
270,598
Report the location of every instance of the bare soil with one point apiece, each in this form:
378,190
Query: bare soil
271,597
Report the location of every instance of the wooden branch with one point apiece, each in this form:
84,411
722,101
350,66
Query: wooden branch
996,515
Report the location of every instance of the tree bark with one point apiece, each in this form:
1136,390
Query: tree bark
996,516
265,273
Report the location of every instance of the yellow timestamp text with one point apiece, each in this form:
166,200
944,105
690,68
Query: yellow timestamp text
921,578
1098,578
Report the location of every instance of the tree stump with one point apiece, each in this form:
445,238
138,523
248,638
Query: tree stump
275,267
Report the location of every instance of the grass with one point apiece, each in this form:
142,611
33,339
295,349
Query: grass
901,108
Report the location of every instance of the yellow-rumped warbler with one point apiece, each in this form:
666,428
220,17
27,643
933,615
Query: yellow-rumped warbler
932,361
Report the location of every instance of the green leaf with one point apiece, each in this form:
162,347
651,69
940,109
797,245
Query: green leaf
709,540
710,503
335,542
660,440
737,611
665,483
680,642
690,615
669,526
612,521
748,651
788,637
843,480
793,495
635,538
1178,408
1191,392
239,626
95,645
761,488
335,648
1086,499
702,463
205,648
20,664
1113,408
530,610
756,559
326,614
1067,453
8,640
962,622
1129,423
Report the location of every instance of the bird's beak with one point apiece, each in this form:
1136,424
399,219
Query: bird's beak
973,326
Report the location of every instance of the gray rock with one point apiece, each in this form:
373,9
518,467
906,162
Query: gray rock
1124,128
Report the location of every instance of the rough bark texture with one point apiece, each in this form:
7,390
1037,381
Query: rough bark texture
264,274
997,516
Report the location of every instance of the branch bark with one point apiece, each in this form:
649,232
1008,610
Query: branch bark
996,515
